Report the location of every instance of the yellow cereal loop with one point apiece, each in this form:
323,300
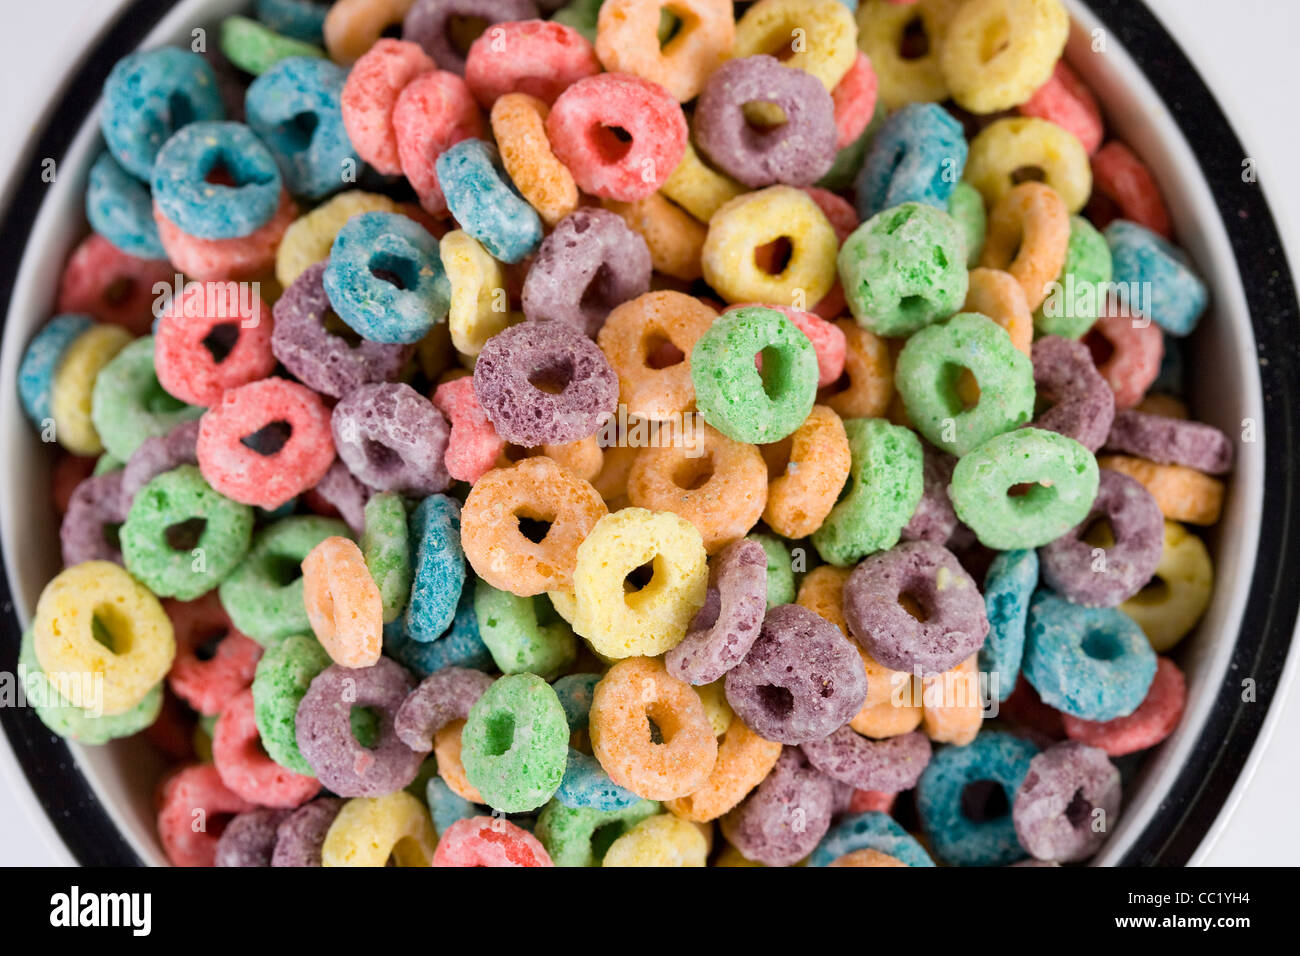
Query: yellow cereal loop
1182,493
519,125
998,52
74,382
713,697
369,831
698,188
308,239
1008,151
661,840
565,604
619,620
749,222
730,856
952,704
95,620
903,42
674,237
479,307
819,35
1169,607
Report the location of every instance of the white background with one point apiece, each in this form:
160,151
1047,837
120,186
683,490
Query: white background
1245,49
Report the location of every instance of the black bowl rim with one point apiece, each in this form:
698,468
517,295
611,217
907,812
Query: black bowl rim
1206,779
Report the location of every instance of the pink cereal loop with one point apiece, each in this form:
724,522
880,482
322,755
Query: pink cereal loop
1118,175
244,258
434,112
855,101
1066,101
105,283
474,445
537,57
370,94
827,340
1137,346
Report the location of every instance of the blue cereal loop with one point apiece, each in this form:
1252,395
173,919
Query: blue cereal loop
1093,663
119,208
869,831
957,839
586,786
575,692
485,202
301,19
211,210
445,805
368,250
294,108
1008,586
1167,289
148,97
41,361
438,568
461,646
917,156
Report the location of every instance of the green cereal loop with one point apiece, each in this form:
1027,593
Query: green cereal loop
263,596
77,723
966,206
733,396
903,269
173,561
570,836
279,684
1075,300
127,405
930,366
1064,479
386,547
884,487
780,569
581,15
255,49
523,634
106,463
515,743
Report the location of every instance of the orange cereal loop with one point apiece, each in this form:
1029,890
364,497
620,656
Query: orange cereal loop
648,342
1028,234
822,592
1182,493
636,699
583,457
952,704
886,720
744,759
537,489
353,26
611,483
674,237
627,41
867,385
1167,406
814,472
867,858
998,295
446,751
343,603
519,125
892,703
716,484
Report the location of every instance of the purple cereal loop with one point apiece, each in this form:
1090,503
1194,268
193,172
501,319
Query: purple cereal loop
727,625
786,816
934,518
543,383
392,438
300,836
1077,571
798,152
348,496
428,23
891,765
96,503
321,360
1082,404
589,264
156,455
955,625
442,697
1171,441
1055,808
249,839
324,730
800,681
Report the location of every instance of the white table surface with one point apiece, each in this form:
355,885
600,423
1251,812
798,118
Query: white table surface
1244,49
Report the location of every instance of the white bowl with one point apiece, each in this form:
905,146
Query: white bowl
101,798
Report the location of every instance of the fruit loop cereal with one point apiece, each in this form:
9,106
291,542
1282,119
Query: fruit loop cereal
636,434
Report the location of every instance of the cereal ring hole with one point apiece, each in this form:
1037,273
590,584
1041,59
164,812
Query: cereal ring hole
159,401
221,341
380,457
295,133
995,39
691,474
119,290
671,26
282,570
774,257
776,700
366,724
1079,810
269,439
611,143
762,117
661,353
640,577
1028,174
205,648
913,40
219,167
185,535
180,110
983,801
912,606
554,377
399,271
535,529
109,629
499,733
1102,646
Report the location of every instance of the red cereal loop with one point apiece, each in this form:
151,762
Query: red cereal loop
172,733
104,282
244,766
1121,179
1153,721
864,801
489,841
1025,708
207,677
194,806
216,337
855,101
260,415
1066,101
369,95
244,258
1127,352
619,135
843,219
537,57
434,112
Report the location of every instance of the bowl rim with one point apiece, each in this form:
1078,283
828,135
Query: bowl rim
1203,785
